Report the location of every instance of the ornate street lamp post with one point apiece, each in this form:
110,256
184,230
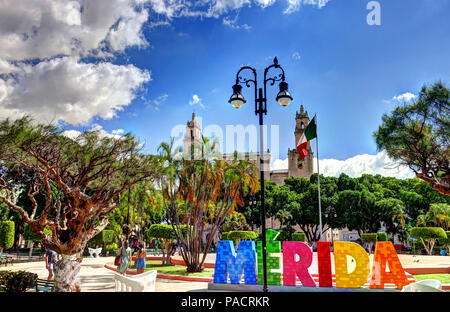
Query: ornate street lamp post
284,99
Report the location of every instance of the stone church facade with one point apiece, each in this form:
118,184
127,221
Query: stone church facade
296,167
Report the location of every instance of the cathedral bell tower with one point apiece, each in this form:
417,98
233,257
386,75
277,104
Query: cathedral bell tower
192,141
300,168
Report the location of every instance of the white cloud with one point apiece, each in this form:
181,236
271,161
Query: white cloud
233,23
295,5
160,100
296,56
404,97
69,90
196,100
74,134
216,8
42,29
356,166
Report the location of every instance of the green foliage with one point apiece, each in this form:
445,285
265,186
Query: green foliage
428,233
29,235
299,237
159,231
235,222
17,281
107,236
225,236
369,237
382,237
445,241
286,234
6,234
416,135
240,235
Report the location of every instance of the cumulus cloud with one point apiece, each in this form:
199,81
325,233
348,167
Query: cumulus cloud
117,133
356,166
196,100
41,29
404,97
69,90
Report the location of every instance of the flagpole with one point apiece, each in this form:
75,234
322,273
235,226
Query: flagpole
318,182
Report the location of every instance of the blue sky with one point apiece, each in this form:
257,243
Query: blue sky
347,68
348,72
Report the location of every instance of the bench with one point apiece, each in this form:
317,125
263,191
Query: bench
95,252
44,285
144,282
5,259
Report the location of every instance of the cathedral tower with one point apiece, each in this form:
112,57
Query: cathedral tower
300,168
192,138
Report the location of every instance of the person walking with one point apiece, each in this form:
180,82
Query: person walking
51,257
140,259
125,257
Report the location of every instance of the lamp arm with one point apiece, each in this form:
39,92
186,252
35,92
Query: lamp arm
240,80
279,77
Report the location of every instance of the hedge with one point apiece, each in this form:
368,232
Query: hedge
382,237
163,231
299,237
225,236
369,237
29,235
428,233
6,234
445,241
238,235
17,281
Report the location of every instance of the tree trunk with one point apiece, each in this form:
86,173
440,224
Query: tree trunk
66,274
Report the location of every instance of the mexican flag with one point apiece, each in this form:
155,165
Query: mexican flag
309,134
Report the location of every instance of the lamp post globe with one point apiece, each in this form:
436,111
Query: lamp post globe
284,98
237,99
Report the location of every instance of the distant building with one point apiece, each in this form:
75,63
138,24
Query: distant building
296,167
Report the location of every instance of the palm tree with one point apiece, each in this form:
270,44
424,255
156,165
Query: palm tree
200,193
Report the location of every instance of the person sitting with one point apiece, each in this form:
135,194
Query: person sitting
443,253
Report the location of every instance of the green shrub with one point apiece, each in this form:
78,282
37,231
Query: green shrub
299,237
163,231
239,235
369,237
445,242
285,234
428,233
6,234
428,236
107,237
225,236
382,237
17,281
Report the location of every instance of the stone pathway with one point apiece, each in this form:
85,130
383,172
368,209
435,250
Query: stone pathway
94,277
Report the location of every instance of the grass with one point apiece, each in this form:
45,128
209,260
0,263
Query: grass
174,269
443,278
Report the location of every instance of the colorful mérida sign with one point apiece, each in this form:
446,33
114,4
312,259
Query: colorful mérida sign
297,257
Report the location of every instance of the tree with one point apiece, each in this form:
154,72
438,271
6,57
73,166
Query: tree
200,193
237,236
369,238
416,135
81,180
428,236
165,234
441,213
